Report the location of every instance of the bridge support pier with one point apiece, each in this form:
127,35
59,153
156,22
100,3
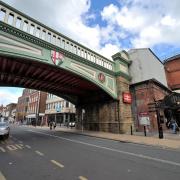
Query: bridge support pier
125,113
99,117
110,116
113,116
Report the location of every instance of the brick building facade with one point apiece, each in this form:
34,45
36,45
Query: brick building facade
36,107
22,105
144,95
172,70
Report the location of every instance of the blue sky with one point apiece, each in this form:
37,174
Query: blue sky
108,26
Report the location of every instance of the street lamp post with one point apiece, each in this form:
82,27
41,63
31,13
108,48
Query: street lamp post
160,129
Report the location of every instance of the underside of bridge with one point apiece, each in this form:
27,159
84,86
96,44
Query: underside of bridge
40,76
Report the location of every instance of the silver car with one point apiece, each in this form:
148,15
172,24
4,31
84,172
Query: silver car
4,129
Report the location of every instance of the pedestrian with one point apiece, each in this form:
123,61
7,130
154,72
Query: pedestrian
50,124
174,125
54,125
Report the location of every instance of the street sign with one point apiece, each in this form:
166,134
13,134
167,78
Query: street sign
144,119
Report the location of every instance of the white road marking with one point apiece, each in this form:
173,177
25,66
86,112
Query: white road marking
2,176
40,153
114,150
82,178
57,163
20,142
11,147
20,146
29,147
2,149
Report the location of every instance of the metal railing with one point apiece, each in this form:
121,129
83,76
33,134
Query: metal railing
21,21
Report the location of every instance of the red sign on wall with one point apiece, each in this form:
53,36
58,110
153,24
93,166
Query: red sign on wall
127,98
101,77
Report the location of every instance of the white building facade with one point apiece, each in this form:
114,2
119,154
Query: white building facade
146,65
59,110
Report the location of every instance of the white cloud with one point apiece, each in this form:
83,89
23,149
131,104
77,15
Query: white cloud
9,95
168,21
109,49
148,22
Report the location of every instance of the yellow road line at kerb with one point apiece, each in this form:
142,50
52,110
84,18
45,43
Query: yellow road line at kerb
38,152
1,176
57,163
82,178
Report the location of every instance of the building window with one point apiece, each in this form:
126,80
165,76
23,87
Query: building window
67,104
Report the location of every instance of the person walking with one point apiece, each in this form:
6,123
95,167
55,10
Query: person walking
51,124
174,125
54,125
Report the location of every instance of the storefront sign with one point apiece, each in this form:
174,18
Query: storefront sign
127,98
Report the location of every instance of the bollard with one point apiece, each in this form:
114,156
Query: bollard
161,133
144,130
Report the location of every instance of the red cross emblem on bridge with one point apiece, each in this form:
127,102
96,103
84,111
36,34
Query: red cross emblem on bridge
57,57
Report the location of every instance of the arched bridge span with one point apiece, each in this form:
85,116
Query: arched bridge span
33,55
41,76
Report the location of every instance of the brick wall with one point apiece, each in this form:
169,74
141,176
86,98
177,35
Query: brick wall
42,103
144,94
172,70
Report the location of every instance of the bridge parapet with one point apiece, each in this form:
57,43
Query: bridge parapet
15,18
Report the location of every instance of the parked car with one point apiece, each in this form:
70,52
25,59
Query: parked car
72,124
4,129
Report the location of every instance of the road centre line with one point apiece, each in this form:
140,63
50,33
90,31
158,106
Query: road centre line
114,150
2,176
40,153
57,163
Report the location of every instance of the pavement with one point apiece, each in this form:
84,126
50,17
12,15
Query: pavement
170,140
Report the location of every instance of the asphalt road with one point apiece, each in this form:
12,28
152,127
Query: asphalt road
34,154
